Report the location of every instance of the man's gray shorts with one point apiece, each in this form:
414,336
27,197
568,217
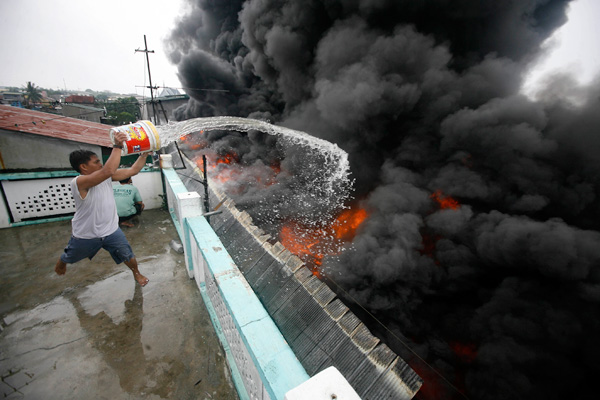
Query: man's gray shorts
116,244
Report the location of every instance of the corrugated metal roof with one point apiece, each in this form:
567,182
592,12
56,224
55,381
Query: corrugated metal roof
56,126
166,92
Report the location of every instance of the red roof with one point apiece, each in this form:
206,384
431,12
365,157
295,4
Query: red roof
80,99
52,125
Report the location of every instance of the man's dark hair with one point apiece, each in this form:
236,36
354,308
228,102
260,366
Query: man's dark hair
79,157
124,181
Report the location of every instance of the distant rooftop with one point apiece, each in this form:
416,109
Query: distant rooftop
167,92
81,99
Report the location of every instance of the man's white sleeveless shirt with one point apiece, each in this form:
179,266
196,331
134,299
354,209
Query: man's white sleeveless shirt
96,215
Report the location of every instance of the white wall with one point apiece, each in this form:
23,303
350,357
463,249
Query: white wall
150,186
28,151
39,198
4,221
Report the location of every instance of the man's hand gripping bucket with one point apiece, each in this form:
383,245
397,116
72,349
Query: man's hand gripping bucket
142,136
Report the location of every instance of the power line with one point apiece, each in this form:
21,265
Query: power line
149,78
196,89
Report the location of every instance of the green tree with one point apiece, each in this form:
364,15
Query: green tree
124,118
102,97
123,111
32,94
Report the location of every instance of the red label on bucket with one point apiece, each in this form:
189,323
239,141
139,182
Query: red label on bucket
139,140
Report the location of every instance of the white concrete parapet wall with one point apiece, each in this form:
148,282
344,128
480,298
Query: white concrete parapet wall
188,205
328,384
35,197
262,364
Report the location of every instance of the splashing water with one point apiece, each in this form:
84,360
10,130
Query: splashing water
333,182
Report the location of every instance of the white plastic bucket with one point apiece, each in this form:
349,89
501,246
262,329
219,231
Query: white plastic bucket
142,136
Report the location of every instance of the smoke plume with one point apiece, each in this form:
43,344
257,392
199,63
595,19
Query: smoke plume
500,292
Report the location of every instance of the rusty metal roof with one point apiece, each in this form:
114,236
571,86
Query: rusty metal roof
39,123
79,99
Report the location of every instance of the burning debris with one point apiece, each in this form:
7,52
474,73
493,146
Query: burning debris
312,243
479,242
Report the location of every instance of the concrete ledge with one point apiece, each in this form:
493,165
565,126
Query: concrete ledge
258,354
174,188
326,385
277,365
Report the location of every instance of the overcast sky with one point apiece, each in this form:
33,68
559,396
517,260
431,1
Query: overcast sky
80,45
86,44
574,48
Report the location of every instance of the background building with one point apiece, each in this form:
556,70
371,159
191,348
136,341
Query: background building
83,112
166,102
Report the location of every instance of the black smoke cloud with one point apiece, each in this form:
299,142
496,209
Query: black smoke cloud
424,96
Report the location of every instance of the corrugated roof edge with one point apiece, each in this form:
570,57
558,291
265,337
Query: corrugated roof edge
52,125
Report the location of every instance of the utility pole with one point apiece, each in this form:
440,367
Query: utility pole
150,79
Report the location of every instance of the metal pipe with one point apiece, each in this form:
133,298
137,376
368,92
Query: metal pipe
214,212
206,204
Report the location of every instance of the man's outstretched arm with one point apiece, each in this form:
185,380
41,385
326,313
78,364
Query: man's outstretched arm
137,166
85,182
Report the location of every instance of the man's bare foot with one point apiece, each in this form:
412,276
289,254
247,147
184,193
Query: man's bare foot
60,268
141,279
127,224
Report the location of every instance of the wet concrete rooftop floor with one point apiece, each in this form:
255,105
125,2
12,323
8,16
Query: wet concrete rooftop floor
95,334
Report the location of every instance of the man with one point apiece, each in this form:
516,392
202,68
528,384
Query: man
96,224
129,201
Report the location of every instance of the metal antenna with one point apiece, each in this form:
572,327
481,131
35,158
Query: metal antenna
150,79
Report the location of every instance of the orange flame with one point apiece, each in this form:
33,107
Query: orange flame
303,242
276,168
229,158
445,202
213,161
347,223
187,137
311,244
224,169
198,143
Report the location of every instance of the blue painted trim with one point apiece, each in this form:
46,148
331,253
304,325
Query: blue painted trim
14,176
184,234
150,169
279,369
176,183
188,247
36,175
235,372
177,187
40,221
177,225
276,363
